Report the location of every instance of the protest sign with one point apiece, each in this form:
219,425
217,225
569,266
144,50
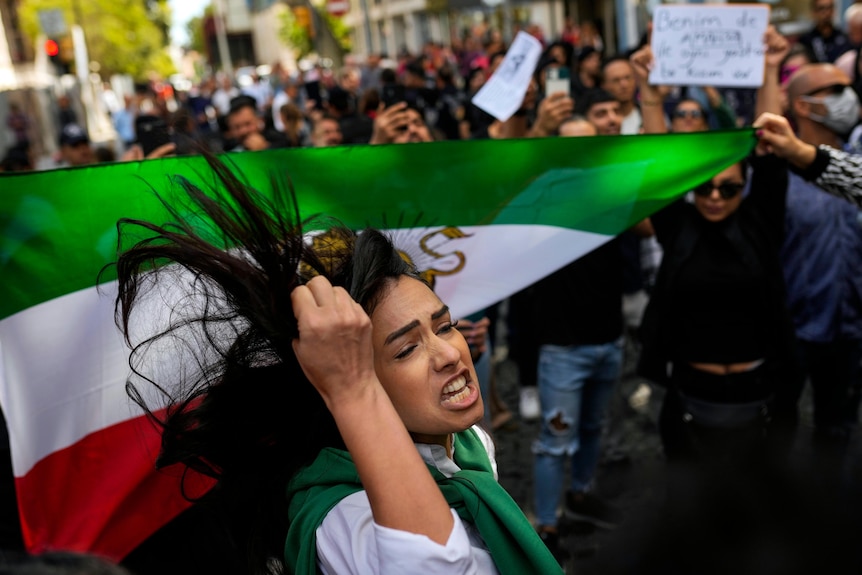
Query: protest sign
709,45
503,93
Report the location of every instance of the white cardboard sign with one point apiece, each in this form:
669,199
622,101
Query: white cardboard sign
709,45
503,93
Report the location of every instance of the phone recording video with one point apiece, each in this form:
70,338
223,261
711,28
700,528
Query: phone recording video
557,79
152,132
392,94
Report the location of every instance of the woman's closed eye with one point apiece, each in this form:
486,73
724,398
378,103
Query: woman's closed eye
445,328
405,352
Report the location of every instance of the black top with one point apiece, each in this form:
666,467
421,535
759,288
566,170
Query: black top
826,48
719,296
581,304
719,305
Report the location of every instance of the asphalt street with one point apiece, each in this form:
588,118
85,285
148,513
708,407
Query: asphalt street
633,476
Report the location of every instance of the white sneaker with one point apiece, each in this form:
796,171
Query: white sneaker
529,405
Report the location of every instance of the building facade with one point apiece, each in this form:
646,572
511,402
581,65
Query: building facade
391,26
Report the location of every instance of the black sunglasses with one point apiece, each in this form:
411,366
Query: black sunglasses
726,190
693,114
835,89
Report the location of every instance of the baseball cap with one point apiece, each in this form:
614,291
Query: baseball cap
73,134
585,53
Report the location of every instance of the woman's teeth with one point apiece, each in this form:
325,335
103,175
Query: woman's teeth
456,390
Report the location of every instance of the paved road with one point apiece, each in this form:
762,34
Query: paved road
633,476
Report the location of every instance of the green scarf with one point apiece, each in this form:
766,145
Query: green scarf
472,492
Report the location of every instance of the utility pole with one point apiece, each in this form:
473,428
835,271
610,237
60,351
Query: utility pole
363,5
221,38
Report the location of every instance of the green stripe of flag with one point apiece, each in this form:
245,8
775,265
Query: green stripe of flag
57,228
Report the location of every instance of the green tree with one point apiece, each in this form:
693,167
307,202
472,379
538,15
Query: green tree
160,14
195,31
296,32
297,28
124,37
340,30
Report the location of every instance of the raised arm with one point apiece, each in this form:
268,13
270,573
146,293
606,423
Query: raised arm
833,170
335,351
769,94
553,111
723,113
651,97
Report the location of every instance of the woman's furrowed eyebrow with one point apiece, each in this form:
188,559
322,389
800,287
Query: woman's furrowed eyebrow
413,324
400,331
440,313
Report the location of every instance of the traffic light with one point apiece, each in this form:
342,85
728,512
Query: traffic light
55,55
52,48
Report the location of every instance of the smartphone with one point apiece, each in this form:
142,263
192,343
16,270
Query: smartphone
557,79
392,94
151,132
312,93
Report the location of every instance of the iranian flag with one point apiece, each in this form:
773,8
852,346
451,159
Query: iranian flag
481,219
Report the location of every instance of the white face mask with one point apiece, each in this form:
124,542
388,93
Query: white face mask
842,110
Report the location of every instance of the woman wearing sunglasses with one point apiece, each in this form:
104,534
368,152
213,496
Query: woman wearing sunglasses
716,331
688,116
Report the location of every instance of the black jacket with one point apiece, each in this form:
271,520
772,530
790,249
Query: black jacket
755,230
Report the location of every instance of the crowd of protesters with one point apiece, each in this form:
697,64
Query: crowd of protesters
752,285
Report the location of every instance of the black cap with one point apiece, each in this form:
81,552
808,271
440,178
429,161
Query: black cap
242,101
72,135
585,53
339,99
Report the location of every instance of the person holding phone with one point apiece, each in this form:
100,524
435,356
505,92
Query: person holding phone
152,140
151,133
399,124
557,105
557,80
246,129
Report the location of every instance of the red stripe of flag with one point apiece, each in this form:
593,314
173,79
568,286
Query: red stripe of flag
102,494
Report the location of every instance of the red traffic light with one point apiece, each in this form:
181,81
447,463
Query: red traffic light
51,47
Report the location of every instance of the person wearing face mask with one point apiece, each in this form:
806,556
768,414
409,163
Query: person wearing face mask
834,171
821,257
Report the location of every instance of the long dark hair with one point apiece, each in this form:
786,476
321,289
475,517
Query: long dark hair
219,376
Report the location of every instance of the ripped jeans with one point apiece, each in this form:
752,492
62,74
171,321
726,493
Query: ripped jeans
575,385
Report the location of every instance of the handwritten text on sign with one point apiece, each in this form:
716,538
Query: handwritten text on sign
698,44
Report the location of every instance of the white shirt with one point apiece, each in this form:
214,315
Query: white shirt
221,100
280,99
632,123
349,542
261,91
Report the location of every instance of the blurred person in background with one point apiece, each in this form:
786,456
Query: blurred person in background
825,42
223,94
75,147
326,132
18,123
246,130
588,71
296,130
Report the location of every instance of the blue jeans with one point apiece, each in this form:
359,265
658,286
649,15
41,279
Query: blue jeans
575,385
